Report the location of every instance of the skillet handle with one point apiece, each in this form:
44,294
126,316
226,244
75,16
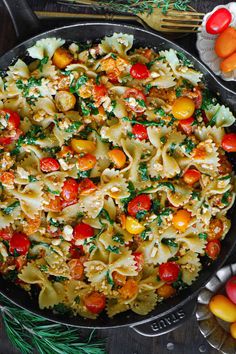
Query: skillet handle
24,20
161,325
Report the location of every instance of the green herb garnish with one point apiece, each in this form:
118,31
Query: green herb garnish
119,238
113,249
9,209
169,242
143,171
202,236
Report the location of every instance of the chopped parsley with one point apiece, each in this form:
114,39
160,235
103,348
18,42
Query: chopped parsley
53,222
75,85
148,88
109,278
119,238
73,127
104,213
224,178
9,209
189,145
53,192
42,62
156,206
178,91
92,247
146,123
184,60
163,139
83,174
172,149
43,268
113,249
195,195
143,172
160,111
114,56
32,179
141,214
169,242
25,88
141,103
145,234
168,185
202,236
225,198
165,212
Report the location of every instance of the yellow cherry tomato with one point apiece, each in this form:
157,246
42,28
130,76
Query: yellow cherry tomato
118,157
223,308
181,220
83,146
233,330
133,226
183,108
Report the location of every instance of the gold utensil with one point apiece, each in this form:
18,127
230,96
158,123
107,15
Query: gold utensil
172,21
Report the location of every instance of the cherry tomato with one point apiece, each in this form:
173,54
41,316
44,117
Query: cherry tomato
86,162
225,43
191,176
225,166
223,308
198,98
216,229
119,279
76,269
213,249
76,251
218,21
6,140
231,289
48,164
70,190
66,151
86,186
139,71
135,100
229,142
12,117
169,272
166,291
19,242
99,91
129,290
140,131
7,178
228,64
140,203
181,219
183,108
139,259
6,234
95,302
82,231
54,204
187,125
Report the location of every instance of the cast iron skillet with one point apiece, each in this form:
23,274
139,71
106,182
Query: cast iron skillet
173,312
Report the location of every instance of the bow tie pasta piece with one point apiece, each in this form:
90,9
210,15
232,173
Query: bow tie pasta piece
45,48
161,75
6,219
220,116
190,266
144,303
114,184
119,43
18,71
149,280
203,133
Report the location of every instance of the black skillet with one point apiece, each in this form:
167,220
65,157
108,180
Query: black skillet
173,312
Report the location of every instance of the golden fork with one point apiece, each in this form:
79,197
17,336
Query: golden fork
172,21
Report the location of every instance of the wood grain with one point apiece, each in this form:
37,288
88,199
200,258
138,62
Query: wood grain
186,339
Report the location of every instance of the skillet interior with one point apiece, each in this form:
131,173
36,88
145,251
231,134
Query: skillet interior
94,32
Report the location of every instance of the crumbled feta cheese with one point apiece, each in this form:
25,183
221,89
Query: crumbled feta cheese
73,48
67,232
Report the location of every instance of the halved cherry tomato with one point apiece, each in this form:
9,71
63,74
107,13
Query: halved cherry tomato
6,234
49,164
76,269
225,43
12,117
86,186
139,259
66,151
7,178
229,142
140,203
129,290
76,251
216,229
95,302
228,64
119,279
70,190
169,272
183,108
118,157
218,21
198,98
187,125
213,249
6,140
135,100
99,91
140,131
224,165
86,162
181,220
166,291
191,176
139,71
19,242
82,231
54,204
62,57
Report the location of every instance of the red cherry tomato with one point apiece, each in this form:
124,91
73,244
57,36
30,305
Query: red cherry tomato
19,242
99,91
139,71
139,259
187,125
95,302
48,164
138,105
169,272
86,186
229,142
191,176
70,190
218,21
82,231
213,249
140,131
76,251
198,98
6,234
12,117
231,289
6,140
140,203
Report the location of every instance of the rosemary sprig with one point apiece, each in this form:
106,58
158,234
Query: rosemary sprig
28,332
139,6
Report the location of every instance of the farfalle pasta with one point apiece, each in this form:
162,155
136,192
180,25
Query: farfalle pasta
114,183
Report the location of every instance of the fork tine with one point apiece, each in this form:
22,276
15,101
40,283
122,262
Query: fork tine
179,30
181,13
172,24
178,19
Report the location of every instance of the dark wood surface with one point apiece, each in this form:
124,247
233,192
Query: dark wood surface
184,340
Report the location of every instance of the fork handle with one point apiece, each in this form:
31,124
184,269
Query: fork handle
108,17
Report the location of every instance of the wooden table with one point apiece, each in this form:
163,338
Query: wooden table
184,340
